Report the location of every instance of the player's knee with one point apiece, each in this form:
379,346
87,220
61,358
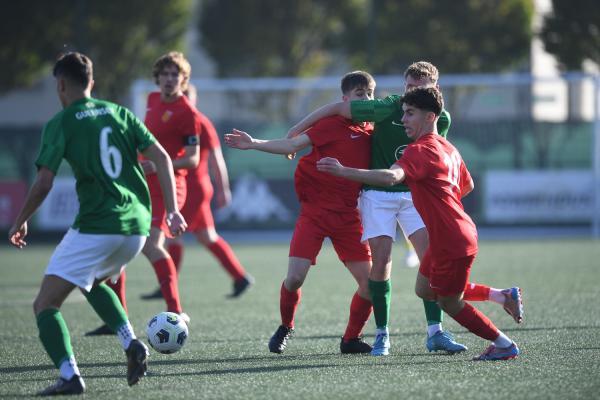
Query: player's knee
39,305
421,293
363,291
207,237
294,282
380,272
450,305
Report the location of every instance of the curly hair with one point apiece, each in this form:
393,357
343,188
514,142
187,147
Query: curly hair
173,58
422,69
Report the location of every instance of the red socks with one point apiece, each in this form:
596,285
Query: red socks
175,250
288,303
167,279
477,322
360,311
119,288
227,258
476,292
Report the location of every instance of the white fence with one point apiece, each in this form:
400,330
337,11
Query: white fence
502,124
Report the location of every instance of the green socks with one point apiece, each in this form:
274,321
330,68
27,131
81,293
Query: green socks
433,312
381,294
107,305
54,335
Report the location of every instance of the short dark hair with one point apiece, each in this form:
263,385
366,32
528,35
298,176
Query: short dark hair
424,98
356,79
75,67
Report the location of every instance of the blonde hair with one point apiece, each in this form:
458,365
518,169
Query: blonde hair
422,69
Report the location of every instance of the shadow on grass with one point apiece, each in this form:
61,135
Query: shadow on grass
266,369
284,359
299,336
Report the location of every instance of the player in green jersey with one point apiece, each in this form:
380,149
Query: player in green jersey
383,208
100,141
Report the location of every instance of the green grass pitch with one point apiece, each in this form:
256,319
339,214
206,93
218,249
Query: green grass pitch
226,355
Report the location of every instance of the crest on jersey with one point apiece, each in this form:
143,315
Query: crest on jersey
399,151
166,116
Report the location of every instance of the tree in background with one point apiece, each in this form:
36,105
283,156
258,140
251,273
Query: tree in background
572,32
275,38
123,38
460,36
312,37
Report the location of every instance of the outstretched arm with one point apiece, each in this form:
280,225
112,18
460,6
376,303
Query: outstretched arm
243,141
342,108
376,177
38,192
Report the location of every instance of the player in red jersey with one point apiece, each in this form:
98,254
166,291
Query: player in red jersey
197,209
175,123
328,208
438,178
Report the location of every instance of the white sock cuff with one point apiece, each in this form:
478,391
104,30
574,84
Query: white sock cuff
126,334
69,368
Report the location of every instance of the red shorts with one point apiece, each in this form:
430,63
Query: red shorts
446,277
159,212
344,229
196,209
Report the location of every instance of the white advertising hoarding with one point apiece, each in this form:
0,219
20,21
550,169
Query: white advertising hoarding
564,196
60,207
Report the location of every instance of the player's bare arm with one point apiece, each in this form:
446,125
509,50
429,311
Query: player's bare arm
166,179
241,140
218,170
38,192
341,108
189,159
377,177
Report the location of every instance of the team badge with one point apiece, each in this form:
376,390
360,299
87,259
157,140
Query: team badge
166,116
399,150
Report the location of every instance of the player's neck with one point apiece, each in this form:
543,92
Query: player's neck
426,132
74,96
170,98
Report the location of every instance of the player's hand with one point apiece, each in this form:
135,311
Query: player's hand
330,165
293,132
176,223
238,140
16,235
148,167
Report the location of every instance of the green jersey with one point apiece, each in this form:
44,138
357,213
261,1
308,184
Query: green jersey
100,141
389,137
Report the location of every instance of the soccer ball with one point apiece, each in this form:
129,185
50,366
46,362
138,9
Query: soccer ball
166,332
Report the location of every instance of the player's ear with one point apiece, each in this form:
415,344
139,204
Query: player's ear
60,85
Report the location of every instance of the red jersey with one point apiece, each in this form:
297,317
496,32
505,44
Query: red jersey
345,140
172,124
208,140
437,177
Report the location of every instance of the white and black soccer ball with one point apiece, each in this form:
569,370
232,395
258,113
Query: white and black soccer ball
167,332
